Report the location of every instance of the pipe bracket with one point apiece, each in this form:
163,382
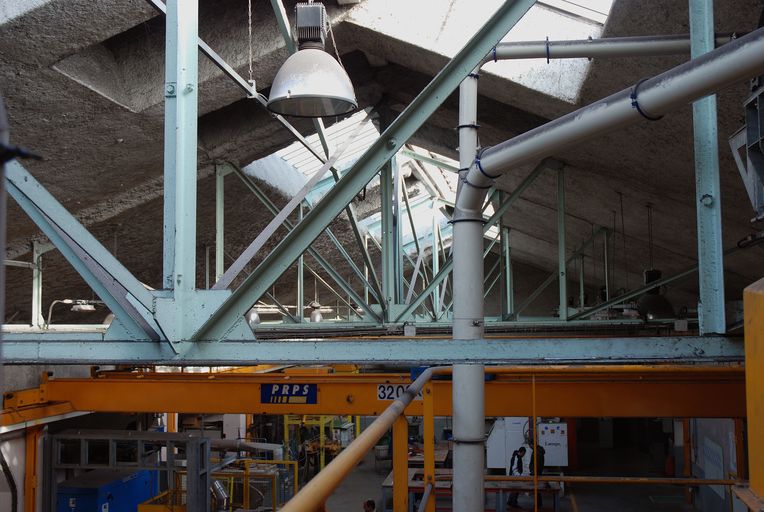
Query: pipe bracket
482,171
469,441
635,102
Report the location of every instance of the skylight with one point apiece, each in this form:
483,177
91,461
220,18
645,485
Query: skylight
593,10
443,28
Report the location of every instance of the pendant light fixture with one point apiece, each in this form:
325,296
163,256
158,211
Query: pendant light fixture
311,83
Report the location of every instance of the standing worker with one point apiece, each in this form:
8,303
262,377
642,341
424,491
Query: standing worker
537,461
516,469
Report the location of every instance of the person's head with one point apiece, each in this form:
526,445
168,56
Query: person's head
521,451
369,506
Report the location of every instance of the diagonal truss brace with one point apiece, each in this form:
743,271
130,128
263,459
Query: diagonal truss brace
111,281
367,166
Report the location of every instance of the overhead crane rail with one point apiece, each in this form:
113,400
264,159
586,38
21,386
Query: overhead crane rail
569,391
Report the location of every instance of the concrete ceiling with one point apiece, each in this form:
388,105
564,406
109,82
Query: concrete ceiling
83,84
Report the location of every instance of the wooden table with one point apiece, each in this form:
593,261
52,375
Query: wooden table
416,460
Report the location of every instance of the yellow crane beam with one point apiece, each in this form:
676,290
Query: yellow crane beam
568,391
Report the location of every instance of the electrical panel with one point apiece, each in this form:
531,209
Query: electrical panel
553,437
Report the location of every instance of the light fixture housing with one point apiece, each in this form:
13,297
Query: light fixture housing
311,83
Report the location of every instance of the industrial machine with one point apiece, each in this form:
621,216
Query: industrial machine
106,490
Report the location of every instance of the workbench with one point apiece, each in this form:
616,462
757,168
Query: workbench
443,487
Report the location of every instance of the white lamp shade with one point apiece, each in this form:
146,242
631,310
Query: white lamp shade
312,84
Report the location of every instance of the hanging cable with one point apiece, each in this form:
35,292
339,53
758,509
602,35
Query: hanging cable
650,233
249,31
334,44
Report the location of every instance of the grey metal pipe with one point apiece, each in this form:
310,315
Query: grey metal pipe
734,62
468,389
239,445
643,46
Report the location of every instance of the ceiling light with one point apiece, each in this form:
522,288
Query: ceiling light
311,83
83,308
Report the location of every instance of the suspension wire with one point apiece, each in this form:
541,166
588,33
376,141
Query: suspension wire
249,30
334,43
650,232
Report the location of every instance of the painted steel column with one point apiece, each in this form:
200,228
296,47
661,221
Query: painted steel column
180,132
4,139
468,393
37,252
561,257
711,316
387,240
581,291
397,228
753,299
606,264
301,278
428,410
401,464
435,260
219,221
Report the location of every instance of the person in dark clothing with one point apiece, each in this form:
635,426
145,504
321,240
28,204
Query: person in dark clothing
516,469
369,505
537,457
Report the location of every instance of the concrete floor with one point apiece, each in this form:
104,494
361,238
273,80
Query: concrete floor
366,482
361,484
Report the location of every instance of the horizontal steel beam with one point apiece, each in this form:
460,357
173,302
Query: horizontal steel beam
619,390
29,349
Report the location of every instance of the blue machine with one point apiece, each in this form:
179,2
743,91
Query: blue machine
106,491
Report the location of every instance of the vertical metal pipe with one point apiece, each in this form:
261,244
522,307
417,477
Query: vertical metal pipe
468,380
219,222
180,88
561,258
707,188
4,139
